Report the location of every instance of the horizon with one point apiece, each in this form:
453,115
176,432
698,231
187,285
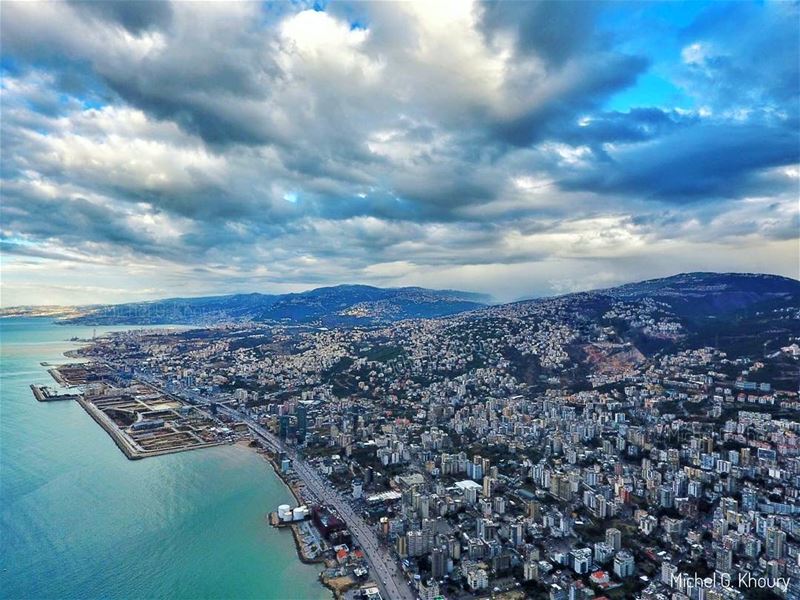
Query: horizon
513,150
492,301
448,299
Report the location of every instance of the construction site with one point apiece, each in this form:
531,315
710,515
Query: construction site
142,420
82,373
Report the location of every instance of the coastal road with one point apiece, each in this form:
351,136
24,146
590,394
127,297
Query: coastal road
391,581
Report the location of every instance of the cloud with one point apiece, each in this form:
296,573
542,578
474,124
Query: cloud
133,15
729,65
553,31
282,146
699,163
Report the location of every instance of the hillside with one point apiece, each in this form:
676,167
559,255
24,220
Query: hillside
328,306
607,331
699,294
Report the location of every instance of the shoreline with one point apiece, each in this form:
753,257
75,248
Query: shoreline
77,441
124,442
336,591
131,452
122,438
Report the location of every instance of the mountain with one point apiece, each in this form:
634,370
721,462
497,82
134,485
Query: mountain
328,306
597,338
744,315
700,303
353,303
703,294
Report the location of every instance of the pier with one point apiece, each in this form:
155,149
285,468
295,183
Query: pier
42,393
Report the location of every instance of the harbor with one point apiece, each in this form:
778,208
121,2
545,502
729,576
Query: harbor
145,420
142,420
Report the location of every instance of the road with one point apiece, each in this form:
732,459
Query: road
390,579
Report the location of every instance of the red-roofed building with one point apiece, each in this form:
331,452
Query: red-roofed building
599,578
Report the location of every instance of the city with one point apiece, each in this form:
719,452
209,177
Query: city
521,450
399,300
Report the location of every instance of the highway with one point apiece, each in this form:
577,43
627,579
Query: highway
390,579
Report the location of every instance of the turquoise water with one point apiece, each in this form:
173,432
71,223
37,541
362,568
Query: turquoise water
79,520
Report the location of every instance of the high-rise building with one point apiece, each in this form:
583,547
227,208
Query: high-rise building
776,543
487,529
477,579
471,495
724,560
603,552
517,534
624,565
302,423
438,562
695,489
614,538
601,506
749,499
581,560
668,571
358,489
284,426
488,486
530,569
416,543
402,546
666,496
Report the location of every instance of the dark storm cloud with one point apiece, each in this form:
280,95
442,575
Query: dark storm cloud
565,36
77,224
555,31
636,125
747,78
194,69
765,219
704,162
207,121
593,82
133,15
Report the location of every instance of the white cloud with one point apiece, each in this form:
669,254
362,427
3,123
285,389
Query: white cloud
393,143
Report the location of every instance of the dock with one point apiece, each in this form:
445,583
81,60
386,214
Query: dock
42,393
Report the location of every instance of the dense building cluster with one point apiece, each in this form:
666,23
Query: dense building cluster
572,448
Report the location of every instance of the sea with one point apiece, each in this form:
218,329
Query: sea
79,520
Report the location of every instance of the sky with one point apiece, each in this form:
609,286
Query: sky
518,149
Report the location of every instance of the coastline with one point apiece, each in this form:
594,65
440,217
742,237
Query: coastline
337,589
129,446
124,443
131,452
131,496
